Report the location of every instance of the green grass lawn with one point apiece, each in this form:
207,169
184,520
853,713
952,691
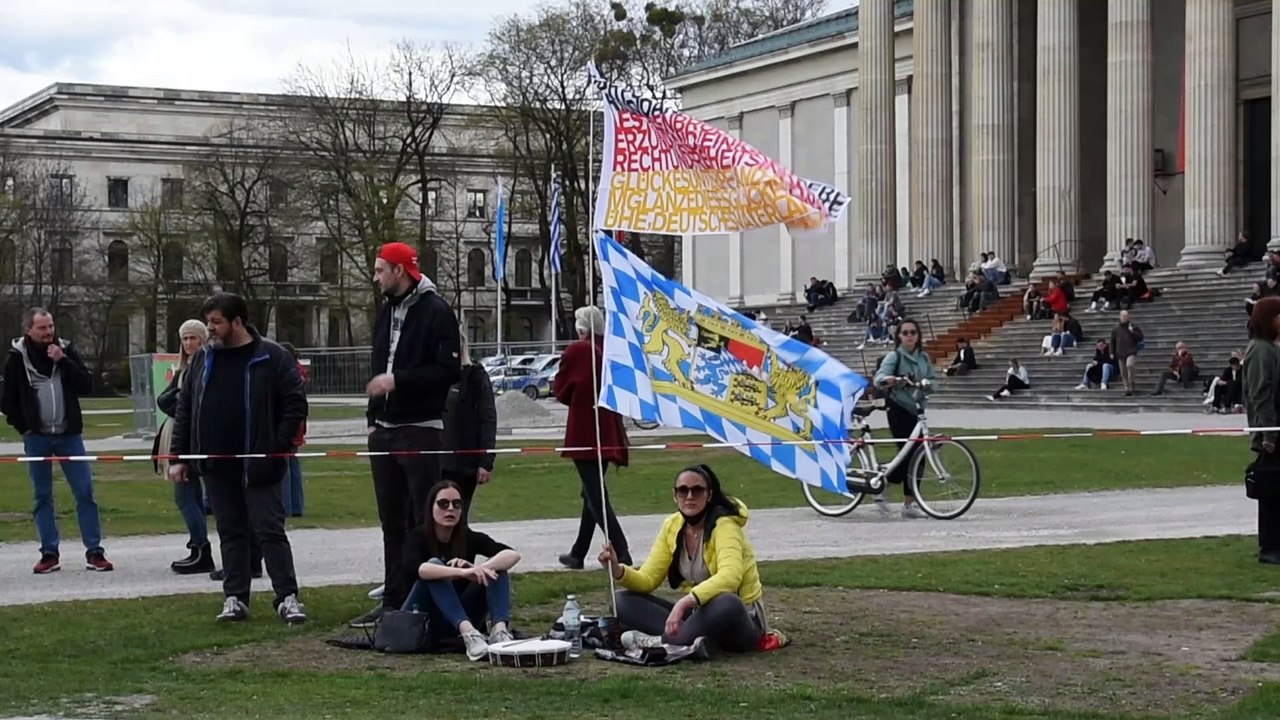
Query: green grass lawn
850,658
339,493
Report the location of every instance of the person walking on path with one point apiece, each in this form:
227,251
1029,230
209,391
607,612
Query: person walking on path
44,379
415,362
243,396
576,386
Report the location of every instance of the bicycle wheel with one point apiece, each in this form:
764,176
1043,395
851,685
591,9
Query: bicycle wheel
836,504
644,424
946,486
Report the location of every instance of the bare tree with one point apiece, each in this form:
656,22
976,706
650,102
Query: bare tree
47,213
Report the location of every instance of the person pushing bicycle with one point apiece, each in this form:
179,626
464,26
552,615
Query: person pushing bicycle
904,402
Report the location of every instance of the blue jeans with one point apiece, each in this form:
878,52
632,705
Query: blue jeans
1107,371
79,476
441,600
931,282
293,489
189,497
1062,341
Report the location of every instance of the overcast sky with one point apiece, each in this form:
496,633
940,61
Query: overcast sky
216,44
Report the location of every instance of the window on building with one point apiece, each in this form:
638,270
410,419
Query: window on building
432,199
475,330
118,193
226,266
171,193
117,335
526,326
330,261
278,263
476,269
62,262
8,261
476,204
524,268
8,184
171,257
329,198
428,260
277,194
337,334
118,261
62,189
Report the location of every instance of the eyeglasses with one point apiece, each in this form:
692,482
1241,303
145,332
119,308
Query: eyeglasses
908,332
445,504
691,491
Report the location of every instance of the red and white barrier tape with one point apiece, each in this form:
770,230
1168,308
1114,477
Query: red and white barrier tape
544,450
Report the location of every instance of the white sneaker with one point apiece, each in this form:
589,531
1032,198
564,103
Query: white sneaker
376,593
1028,318
233,611
500,635
1082,386
912,512
477,645
633,639
925,293
1104,386
290,611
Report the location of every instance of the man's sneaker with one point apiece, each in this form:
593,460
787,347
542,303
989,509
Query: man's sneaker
477,645
368,619
47,564
1104,386
290,610
1082,386
633,639
233,611
912,512
376,593
500,635
98,563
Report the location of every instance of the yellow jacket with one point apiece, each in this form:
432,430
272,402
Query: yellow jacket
728,554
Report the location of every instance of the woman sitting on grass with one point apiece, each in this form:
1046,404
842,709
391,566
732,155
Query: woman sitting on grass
450,585
702,550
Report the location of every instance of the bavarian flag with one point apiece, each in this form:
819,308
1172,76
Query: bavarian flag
675,356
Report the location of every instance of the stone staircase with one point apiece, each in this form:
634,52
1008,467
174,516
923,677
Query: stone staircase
981,324
1198,307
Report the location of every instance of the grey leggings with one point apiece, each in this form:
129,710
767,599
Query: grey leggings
724,620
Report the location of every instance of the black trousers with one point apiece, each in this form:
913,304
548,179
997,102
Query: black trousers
244,513
901,422
597,510
724,620
400,486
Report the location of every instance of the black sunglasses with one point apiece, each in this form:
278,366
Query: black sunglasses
445,504
691,491
908,332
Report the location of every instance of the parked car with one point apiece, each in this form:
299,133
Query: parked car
523,379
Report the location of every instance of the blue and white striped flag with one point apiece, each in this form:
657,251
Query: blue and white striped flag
500,238
674,355
557,223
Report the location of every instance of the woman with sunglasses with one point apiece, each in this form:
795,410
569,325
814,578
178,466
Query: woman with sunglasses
907,360
450,585
702,550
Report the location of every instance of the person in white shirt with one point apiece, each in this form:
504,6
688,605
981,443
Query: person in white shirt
994,268
1144,258
1015,378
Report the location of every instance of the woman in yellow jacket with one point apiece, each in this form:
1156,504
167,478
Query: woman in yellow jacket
703,551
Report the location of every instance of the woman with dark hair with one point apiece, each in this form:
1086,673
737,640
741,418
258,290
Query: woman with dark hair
293,495
907,360
449,585
470,424
702,550
1262,403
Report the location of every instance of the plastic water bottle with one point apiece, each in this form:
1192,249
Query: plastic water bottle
573,626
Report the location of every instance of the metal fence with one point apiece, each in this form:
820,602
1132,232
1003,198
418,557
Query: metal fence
143,393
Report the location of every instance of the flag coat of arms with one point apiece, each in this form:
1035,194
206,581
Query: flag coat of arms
674,355
665,172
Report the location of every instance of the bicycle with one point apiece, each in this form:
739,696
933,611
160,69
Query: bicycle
867,476
644,424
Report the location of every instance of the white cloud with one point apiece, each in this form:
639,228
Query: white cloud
214,44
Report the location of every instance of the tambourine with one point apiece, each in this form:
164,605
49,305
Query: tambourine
533,652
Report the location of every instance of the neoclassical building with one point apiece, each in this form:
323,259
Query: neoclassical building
1046,131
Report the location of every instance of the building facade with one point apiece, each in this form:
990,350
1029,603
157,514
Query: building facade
121,148
1047,132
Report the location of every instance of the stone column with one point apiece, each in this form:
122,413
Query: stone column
786,279
1130,165
840,148
322,326
1274,243
1211,91
878,187
990,124
931,141
1057,137
735,238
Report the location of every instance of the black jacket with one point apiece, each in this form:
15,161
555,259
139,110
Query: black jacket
427,359
18,402
275,407
473,424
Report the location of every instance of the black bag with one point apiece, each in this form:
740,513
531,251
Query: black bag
1262,478
401,631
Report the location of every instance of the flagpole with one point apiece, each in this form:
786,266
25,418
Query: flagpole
500,262
555,309
552,263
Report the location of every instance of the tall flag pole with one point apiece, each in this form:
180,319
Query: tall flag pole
500,255
557,237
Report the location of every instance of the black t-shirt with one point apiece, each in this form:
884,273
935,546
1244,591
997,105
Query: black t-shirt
222,411
418,551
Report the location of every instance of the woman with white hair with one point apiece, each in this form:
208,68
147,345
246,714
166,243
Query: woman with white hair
576,386
188,496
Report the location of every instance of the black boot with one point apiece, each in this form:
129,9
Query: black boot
191,557
202,563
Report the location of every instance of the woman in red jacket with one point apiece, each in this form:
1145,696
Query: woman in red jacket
1057,299
575,386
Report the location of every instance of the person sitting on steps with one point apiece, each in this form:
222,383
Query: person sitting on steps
1100,370
1107,295
703,551
1016,378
